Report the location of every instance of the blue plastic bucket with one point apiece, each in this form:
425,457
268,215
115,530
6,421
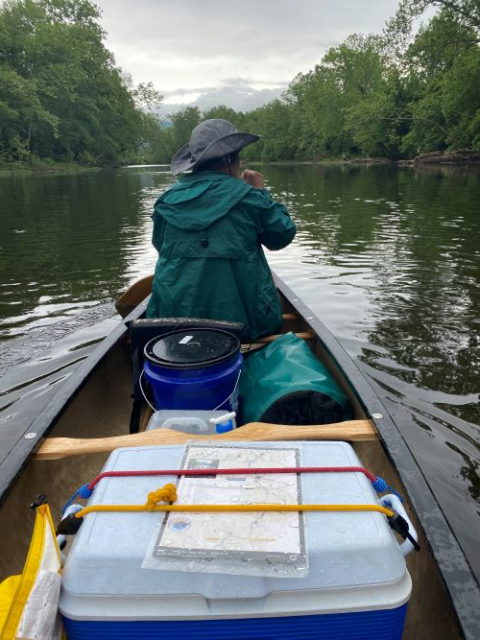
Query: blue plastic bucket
194,369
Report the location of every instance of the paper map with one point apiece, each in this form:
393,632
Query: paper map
263,539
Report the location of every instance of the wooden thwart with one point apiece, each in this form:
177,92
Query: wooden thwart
351,430
304,335
261,342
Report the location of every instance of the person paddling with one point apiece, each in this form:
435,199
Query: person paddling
209,229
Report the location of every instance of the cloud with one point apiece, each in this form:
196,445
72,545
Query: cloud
193,45
240,97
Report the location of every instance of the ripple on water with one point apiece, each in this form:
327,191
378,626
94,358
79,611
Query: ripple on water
383,257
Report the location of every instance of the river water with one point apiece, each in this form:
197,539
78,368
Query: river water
388,258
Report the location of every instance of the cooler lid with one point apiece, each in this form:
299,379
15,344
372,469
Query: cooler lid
354,557
192,348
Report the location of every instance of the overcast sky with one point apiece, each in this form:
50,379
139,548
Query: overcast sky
189,47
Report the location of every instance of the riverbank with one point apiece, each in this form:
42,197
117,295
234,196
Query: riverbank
328,162
454,158
460,157
27,168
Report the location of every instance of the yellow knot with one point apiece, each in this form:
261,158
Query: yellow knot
167,494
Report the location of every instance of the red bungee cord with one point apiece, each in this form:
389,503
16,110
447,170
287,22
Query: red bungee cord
229,472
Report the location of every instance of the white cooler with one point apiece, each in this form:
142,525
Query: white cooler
349,580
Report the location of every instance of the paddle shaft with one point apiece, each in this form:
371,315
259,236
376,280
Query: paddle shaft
351,430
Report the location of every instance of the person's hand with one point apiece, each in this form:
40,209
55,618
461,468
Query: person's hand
253,178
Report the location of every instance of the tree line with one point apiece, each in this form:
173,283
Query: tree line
393,95
61,95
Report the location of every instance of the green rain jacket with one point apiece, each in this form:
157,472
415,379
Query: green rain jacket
208,230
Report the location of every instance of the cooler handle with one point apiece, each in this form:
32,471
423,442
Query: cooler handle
395,503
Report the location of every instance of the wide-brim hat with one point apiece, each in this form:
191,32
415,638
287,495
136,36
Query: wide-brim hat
209,140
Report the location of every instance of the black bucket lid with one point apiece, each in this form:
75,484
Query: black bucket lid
192,348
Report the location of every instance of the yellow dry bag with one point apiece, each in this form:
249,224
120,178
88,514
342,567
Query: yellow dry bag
29,602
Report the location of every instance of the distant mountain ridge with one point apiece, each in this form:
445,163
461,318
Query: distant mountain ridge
238,96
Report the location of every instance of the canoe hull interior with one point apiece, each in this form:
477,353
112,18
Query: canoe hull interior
101,409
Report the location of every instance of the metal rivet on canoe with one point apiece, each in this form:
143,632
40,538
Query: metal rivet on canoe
377,416
30,436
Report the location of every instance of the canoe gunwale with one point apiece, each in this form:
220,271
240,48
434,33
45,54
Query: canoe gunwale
456,574
455,571
42,425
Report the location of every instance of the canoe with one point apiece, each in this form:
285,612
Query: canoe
90,416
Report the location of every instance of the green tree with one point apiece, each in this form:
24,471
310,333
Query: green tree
183,123
345,105
441,70
21,111
274,122
60,92
466,12
377,123
225,113
399,31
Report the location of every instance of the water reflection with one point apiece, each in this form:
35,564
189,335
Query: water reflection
69,240
388,258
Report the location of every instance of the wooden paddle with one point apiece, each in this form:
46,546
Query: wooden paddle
351,430
134,295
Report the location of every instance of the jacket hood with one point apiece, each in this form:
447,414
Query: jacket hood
197,201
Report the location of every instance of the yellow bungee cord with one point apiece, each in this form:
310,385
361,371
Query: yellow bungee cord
168,494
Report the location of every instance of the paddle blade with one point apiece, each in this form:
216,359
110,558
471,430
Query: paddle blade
134,296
